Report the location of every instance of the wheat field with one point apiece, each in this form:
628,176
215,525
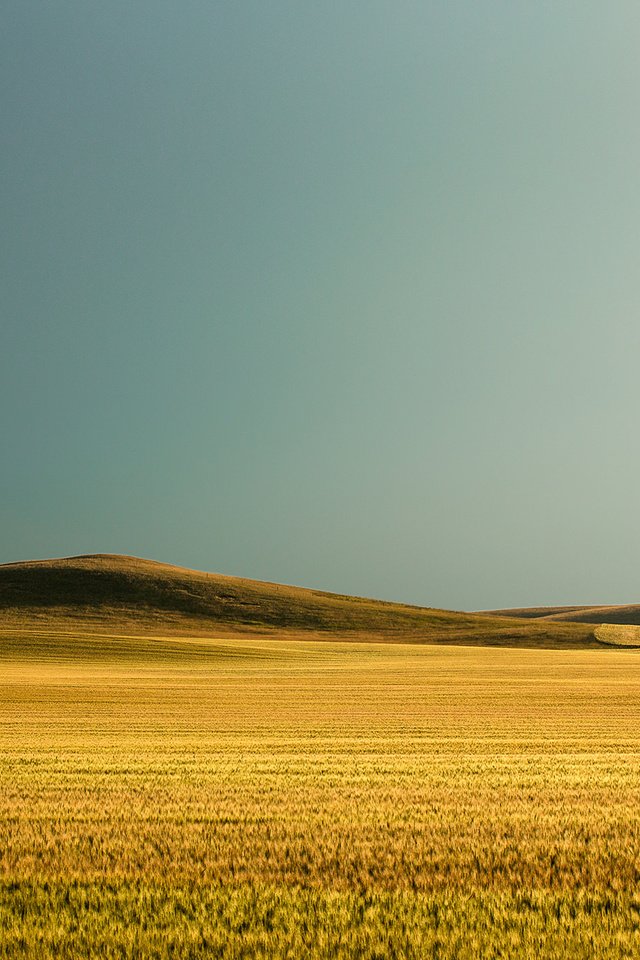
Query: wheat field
262,798
618,634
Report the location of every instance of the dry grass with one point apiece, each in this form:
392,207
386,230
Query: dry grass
618,635
105,594
278,798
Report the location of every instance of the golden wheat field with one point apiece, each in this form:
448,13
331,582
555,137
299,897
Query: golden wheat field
285,799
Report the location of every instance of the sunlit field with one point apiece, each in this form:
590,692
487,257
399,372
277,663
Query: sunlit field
270,798
618,634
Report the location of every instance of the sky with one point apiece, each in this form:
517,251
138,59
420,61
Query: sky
339,294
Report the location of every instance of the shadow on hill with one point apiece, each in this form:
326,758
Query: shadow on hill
132,594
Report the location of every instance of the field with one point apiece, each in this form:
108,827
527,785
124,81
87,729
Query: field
266,798
618,634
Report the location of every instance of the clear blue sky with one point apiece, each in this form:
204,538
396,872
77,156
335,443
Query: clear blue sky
342,294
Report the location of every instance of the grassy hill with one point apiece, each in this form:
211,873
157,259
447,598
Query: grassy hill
622,614
116,595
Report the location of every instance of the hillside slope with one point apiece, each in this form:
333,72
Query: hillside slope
128,595
622,614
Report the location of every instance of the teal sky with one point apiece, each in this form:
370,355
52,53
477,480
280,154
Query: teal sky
341,294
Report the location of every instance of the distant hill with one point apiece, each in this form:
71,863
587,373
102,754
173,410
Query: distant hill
627,613
105,592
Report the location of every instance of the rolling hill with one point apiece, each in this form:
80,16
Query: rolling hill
621,614
111,595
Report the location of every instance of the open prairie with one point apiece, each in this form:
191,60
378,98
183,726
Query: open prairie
283,798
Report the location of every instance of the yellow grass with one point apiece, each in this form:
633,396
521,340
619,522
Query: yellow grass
278,798
618,634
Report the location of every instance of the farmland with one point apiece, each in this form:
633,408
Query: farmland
192,797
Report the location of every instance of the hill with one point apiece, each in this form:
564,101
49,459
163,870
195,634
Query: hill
111,594
621,614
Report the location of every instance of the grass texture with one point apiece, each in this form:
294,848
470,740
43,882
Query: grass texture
239,798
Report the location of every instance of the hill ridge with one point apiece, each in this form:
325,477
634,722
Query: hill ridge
623,613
